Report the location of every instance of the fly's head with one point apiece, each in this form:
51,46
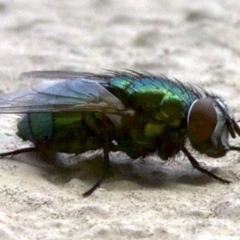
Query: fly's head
209,126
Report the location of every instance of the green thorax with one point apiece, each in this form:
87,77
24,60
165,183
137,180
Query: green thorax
161,107
163,99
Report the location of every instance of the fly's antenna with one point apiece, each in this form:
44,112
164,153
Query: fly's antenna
236,129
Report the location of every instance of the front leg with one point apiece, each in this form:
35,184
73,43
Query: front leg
196,165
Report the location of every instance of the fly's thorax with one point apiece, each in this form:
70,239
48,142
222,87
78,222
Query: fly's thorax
207,126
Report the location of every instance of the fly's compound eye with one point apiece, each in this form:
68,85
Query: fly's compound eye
206,127
202,120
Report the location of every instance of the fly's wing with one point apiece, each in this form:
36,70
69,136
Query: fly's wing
63,92
63,75
56,75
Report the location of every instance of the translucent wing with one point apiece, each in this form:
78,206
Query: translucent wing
63,91
56,75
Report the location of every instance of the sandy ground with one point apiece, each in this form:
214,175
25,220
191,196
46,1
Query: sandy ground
194,41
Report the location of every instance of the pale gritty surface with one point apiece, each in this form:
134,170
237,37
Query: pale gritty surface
193,41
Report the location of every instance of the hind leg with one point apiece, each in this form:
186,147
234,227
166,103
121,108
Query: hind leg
18,151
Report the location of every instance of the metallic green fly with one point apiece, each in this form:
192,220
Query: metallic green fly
135,113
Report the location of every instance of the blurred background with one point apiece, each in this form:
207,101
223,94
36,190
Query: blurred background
194,41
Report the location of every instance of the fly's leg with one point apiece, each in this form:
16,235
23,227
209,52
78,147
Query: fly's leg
105,172
44,154
34,149
18,151
196,165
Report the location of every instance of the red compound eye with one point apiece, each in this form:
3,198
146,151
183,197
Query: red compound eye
202,120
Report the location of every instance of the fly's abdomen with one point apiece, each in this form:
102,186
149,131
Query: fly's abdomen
72,132
35,126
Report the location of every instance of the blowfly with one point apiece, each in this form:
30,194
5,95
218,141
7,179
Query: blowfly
138,114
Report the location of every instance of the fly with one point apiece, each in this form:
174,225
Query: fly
139,114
